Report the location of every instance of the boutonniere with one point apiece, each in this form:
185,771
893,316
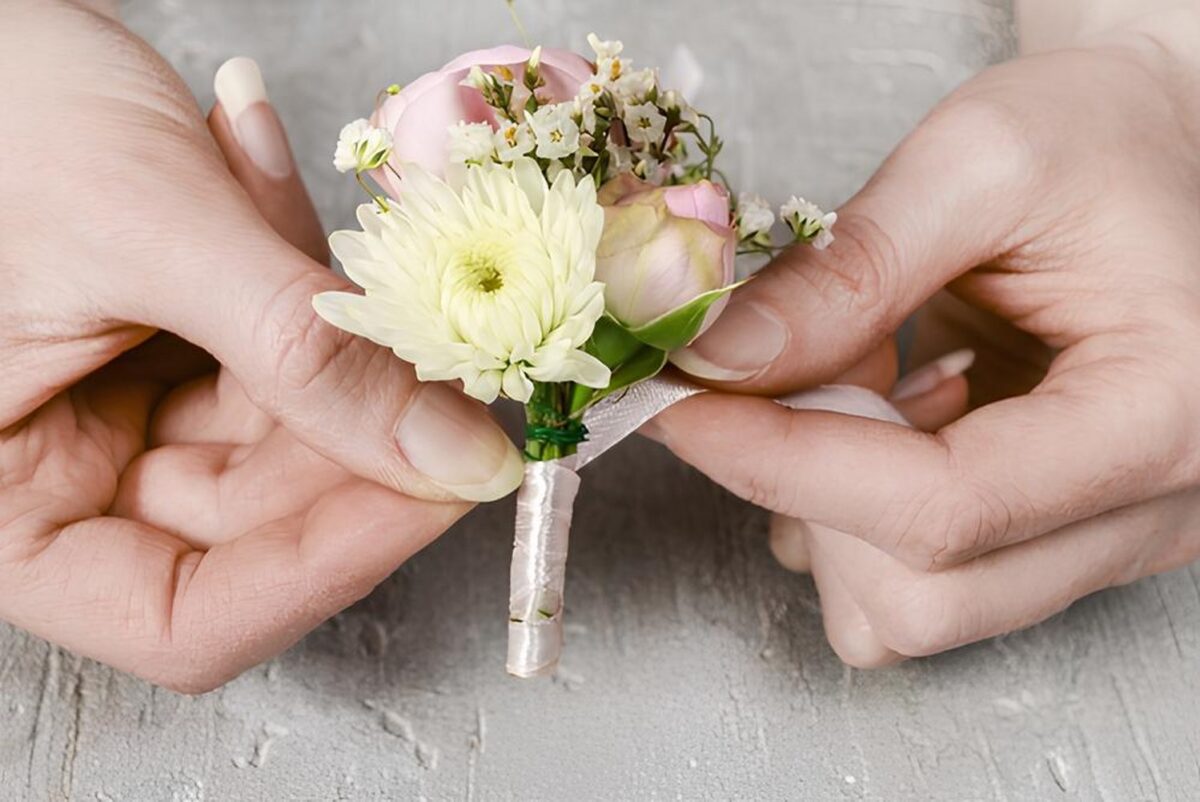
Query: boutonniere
548,229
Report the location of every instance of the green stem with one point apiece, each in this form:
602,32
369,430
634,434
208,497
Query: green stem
374,196
550,431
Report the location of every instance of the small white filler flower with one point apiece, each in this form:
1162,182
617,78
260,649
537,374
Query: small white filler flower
754,216
604,49
492,284
609,64
513,140
644,123
555,130
361,147
471,142
808,222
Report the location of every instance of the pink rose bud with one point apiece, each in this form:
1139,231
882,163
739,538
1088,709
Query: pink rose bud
663,247
419,116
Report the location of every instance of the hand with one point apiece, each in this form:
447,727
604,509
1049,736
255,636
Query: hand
174,522
1058,193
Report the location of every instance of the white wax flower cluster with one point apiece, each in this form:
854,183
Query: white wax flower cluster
361,147
580,133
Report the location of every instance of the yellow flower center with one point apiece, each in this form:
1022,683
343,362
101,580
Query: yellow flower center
481,267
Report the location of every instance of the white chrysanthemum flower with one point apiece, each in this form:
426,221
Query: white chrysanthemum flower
808,222
492,284
644,123
555,130
754,216
513,140
471,142
361,147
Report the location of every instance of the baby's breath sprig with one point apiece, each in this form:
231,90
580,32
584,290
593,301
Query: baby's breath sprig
362,148
805,220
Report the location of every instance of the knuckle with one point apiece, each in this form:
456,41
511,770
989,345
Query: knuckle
302,348
771,489
1000,153
953,520
765,491
921,618
856,281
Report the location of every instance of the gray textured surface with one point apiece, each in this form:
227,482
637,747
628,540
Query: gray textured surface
696,667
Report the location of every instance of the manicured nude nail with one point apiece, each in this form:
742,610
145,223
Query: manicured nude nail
240,90
451,440
928,377
744,342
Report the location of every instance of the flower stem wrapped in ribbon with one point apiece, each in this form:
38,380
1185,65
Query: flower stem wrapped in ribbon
548,230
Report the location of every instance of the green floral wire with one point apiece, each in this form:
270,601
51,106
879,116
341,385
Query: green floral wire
560,431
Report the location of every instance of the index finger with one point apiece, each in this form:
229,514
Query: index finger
1091,438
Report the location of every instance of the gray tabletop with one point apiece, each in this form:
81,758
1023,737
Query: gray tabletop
696,667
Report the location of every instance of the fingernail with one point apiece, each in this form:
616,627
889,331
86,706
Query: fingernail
240,90
928,377
451,440
745,340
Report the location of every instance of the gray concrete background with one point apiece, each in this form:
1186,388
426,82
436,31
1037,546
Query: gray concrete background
696,668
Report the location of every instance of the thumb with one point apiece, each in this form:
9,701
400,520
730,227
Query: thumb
235,287
942,203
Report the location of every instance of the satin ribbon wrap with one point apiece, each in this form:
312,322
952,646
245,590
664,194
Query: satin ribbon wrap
546,498
539,565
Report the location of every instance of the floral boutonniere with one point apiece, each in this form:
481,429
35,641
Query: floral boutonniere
548,229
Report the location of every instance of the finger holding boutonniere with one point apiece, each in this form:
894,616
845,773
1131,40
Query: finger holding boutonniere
156,551
1008,514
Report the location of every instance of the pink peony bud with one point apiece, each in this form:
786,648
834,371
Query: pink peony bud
662,247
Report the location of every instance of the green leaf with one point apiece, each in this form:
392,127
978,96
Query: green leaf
680,326
611,343
643,365
630,359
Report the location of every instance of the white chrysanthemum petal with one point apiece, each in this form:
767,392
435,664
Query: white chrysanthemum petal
564,364
351,313
486,386
516,385
529,178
